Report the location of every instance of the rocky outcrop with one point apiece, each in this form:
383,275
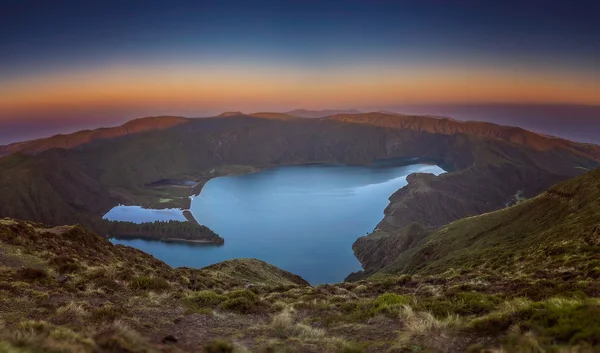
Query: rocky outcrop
381,248
254,271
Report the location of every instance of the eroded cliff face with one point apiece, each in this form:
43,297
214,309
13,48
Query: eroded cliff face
380,248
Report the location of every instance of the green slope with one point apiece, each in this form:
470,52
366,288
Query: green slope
556,234
64,289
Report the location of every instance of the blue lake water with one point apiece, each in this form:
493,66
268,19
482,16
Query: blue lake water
139,214
303,219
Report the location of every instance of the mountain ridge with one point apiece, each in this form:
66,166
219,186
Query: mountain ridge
391,120
306,113
85,136
122,170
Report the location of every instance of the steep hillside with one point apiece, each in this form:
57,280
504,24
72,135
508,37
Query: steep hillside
476,128
86,136
555,234
63,289
53,188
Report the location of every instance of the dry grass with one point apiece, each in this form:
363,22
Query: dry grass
283,324
424,329
72,313
396,312
158,299
309,332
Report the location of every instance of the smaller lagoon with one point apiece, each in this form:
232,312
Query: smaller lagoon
138,214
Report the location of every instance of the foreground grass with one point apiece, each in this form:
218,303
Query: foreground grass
66,290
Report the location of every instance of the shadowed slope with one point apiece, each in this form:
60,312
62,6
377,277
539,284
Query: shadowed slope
449,126
555,231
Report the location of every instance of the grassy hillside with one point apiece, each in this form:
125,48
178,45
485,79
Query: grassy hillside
63,289
559,230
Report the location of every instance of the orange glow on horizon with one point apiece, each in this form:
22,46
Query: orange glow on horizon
259,86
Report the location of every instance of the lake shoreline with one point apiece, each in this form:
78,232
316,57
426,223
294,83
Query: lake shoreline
170,240
252,233
200,179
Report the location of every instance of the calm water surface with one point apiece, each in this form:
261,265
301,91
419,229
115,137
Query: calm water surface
138,214
303,219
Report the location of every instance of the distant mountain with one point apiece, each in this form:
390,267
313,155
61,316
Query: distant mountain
85,136
302,113
573,122
279,116
228,114
131,127
388,112
477,128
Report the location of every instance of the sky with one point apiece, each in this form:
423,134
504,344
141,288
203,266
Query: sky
66,65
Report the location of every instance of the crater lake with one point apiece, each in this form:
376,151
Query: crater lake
303,219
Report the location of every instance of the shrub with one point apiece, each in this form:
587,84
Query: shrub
65,264
33,273
206,298
305,331
392,299
125,274
106,314
243,293
108,284
282,324
71,313
34,325
152,283
40,336
239,305
389,304
567,321
120,338
465,303
426,330
361,288
351,348
219,346
509,313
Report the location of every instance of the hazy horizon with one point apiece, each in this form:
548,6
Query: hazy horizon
543,119
69,65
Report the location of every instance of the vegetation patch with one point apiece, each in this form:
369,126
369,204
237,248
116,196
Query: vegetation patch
204,299
389,304
465,303
150,283
32,274
569,321
240,305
